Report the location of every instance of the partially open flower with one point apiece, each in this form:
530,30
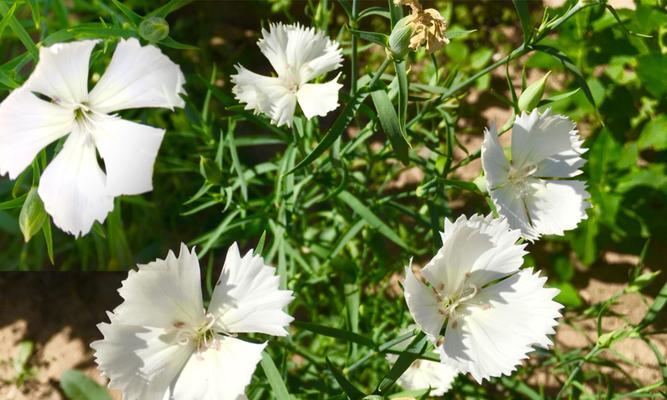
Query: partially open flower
74,189
161,343
428,27
532,190
298,55
493,313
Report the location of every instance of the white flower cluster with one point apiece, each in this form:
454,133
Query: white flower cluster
482,313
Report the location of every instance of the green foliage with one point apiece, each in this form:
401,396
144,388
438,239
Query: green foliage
331,199
78,386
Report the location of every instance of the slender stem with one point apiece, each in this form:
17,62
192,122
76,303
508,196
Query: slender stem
379,72
353,58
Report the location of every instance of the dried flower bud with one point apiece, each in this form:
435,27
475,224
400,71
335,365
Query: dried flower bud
428,27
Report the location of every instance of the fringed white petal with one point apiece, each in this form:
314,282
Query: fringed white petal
164,293
536,137
294,49
129,151
220,372
138,76
423,305
319,98
247,297
512,206
557,206
501,325
62,72
73,188
27,125
139,361
258,92
495,164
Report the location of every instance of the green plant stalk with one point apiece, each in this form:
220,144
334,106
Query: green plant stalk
353,56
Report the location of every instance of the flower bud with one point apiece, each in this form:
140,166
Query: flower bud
32,215
399,40
532,95
154,29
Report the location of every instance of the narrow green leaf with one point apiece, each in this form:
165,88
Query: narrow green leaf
372,219
339,125
335,333
48,238
78,386
403,91
275,380
570,66
13,203
7,18
524,17
18,29
350,390
655,309
390,124
373,37
458,34
405,359
133,17
168,8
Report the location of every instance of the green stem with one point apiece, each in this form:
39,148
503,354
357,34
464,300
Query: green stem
353,57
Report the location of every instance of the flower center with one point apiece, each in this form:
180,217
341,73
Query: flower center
202,336
518,177
450,304
291,79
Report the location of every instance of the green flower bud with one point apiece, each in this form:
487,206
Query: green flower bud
531,97
399,39
32,215
154,29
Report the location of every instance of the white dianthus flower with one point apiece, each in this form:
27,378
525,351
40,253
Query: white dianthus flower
161,344
75,190
531,190
493,313
298,55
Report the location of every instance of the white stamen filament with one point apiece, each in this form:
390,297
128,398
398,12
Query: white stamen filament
199,335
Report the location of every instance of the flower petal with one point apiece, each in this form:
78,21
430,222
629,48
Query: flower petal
512,206
282,111
62,72
129,151
567,163
557,206
258,92
27,125
169,288
423,305
495,164
424,374
296,49
495,333
461,248
247,297
537,137
138,76
220,372
73,186
137,360
318,98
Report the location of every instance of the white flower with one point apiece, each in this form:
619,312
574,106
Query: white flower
75,190
531,190
161,344
298,55
492,311
424,374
